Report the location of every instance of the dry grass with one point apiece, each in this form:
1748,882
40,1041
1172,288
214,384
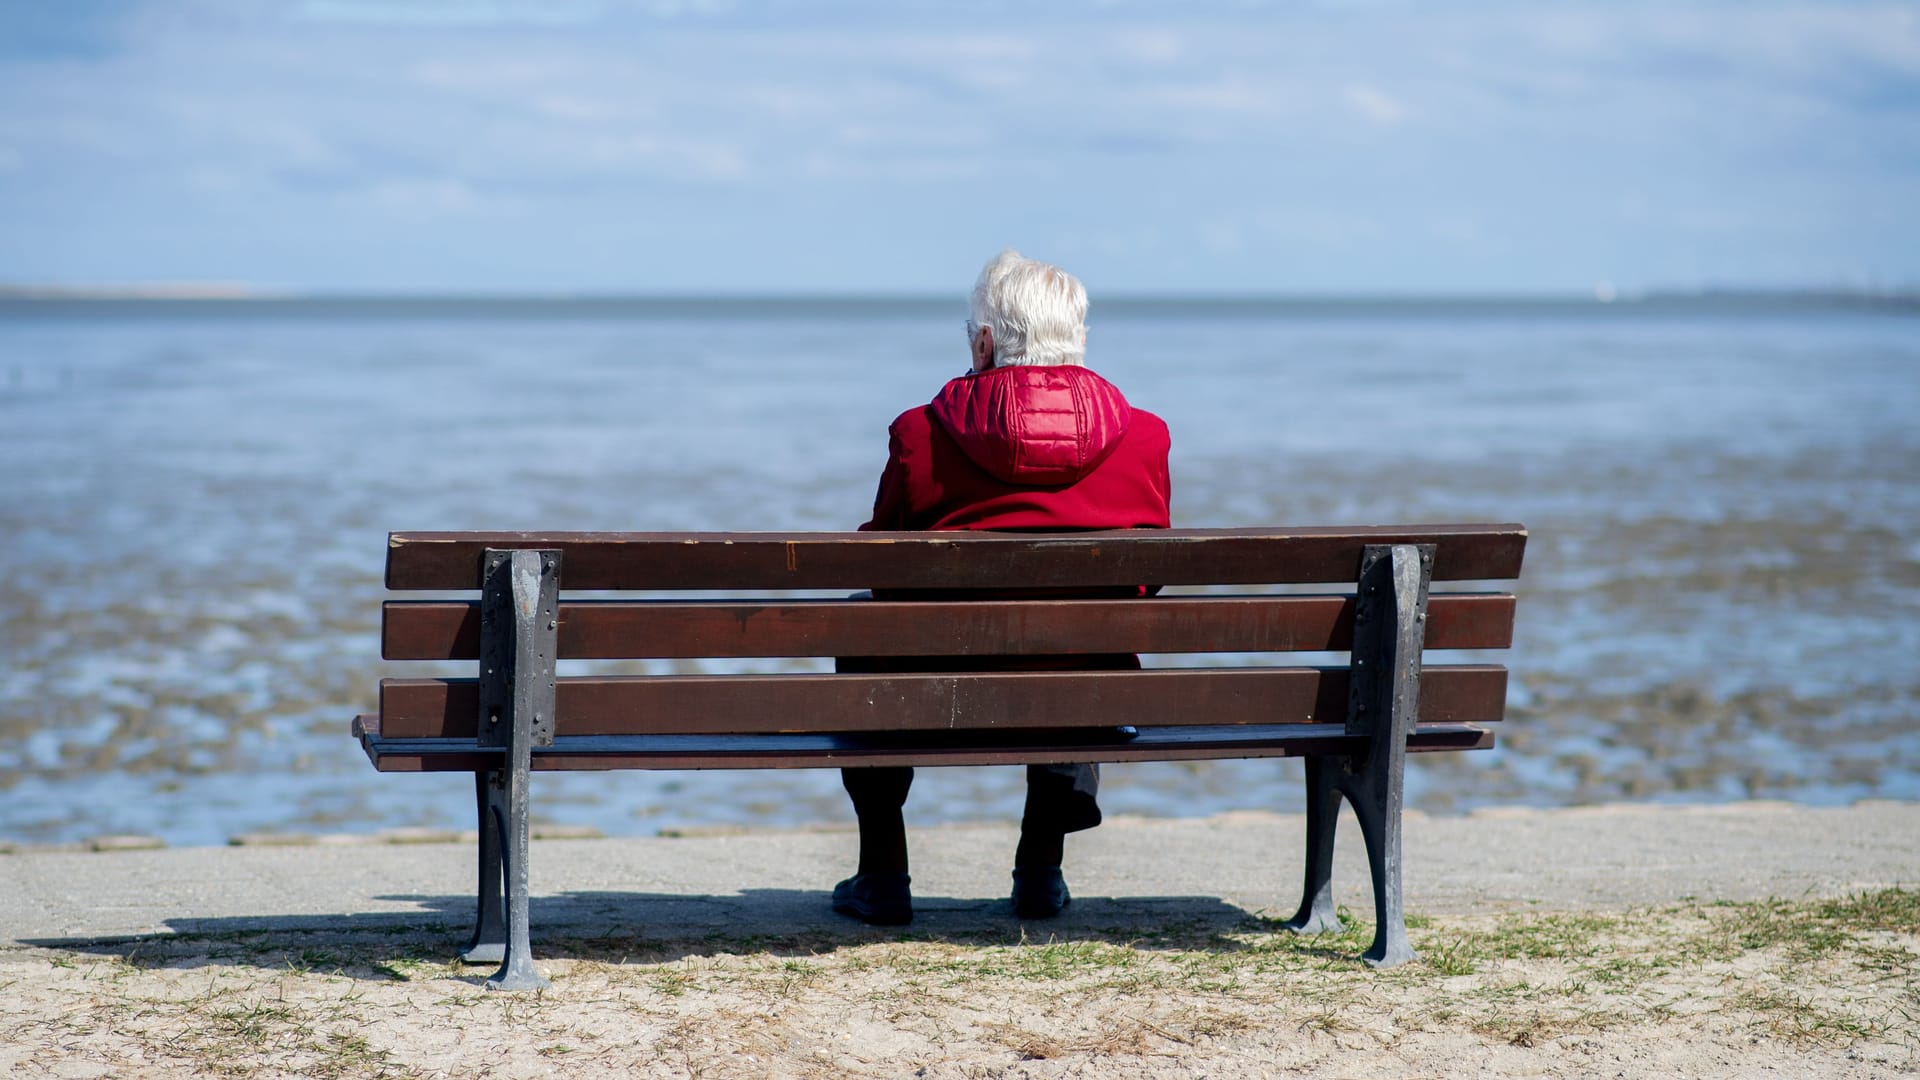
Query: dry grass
1817,988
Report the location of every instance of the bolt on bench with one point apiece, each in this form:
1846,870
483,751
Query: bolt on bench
1354,724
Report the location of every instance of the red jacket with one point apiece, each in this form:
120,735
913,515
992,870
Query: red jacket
1030,448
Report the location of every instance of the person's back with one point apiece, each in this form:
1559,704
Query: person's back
1030,440
1025,447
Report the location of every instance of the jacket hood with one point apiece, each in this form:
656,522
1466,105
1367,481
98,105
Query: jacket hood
1039,426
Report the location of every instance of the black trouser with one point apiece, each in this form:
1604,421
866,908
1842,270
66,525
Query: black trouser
1060,798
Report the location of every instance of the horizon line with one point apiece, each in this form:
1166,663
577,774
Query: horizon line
188,293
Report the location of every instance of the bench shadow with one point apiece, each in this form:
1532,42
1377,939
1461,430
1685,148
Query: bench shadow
649,928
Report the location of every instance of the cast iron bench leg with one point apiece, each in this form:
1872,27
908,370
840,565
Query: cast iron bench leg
1383,702
519,611
1316,914
1375,793
489,944
516,967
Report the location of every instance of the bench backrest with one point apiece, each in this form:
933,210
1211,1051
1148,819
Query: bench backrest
944,625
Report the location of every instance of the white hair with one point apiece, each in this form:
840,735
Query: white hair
1038,311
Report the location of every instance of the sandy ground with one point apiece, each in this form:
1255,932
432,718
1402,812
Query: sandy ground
1687,971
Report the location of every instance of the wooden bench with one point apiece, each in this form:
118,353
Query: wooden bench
1353,722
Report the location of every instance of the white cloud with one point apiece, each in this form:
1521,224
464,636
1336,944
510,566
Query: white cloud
439,197
577,108
642,153
482,13
1375,104
1222,94
1156,46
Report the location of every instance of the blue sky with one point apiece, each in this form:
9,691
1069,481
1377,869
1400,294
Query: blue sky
683,146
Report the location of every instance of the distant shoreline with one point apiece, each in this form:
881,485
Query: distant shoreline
41,302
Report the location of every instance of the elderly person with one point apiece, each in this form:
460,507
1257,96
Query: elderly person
1029,440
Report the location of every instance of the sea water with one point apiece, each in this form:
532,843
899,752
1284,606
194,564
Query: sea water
1721,596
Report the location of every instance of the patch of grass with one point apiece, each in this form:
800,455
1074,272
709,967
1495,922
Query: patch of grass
410,969
254,1024
1782,923
1537,1027
311,959
1450,957
1897,910
1122,1036
1807,929
1543,937
1623,973
1064,960
273,1037
672,981
1272,938
1801,1020
1325,1021
345,1054
1894,961
793,976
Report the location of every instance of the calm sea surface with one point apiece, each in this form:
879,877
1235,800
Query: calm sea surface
1722,596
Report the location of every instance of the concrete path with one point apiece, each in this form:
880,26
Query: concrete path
1127,873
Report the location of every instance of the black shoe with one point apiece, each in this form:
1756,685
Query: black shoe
1039,892
878,899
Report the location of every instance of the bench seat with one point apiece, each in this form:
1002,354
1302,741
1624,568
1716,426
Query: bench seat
1198,742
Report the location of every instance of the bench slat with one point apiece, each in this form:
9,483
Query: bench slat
819,751
621,629
738,704
733,561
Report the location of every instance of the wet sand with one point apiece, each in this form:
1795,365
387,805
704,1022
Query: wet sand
1721,598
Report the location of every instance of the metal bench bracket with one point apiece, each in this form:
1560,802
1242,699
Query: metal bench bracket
1383,703
519,604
